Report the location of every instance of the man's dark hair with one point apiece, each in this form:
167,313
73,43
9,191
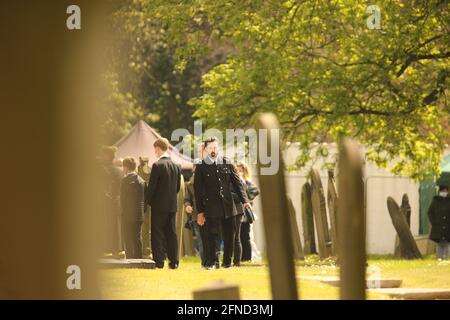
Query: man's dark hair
109,152
129,163
210,140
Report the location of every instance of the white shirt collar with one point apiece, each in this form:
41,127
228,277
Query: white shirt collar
164,155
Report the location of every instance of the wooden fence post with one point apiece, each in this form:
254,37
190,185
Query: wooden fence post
275,215
351,223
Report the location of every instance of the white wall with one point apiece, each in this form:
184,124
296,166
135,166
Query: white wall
379,185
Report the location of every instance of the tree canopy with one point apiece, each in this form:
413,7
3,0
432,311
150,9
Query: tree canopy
320,68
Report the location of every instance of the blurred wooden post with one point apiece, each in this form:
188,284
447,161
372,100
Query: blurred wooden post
332,201
308,220
298,249
320,215
276,215
217,291
50,209
351,223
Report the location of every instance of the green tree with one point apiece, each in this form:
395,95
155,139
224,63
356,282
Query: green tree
326,75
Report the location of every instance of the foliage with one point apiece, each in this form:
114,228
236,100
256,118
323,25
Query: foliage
144,61
323,72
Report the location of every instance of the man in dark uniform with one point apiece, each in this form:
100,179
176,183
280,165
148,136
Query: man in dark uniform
161,195
215,177
132,202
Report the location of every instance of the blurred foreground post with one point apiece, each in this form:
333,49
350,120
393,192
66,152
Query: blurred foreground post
217,291
351,223
276,216
49,234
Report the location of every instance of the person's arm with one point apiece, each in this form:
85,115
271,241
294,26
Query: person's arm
154,175
198,194
198,189
178,179
252,191
123,194
431,212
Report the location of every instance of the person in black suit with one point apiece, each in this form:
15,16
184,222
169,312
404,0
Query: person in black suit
132,202
214,179
161,195
110,178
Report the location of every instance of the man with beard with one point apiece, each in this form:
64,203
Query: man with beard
215,178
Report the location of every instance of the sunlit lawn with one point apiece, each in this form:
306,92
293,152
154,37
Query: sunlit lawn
254,280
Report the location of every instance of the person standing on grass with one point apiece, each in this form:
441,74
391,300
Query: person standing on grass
191,209
439,215
132,203
215,178
246,230
161,195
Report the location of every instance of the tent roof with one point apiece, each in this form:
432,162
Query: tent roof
139,143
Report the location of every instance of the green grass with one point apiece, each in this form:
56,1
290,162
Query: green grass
254,283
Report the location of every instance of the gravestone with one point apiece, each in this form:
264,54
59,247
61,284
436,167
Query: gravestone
126,264
320,215
332,201
407,242
351,223
309,239
298,249
276,215
217,291
405,208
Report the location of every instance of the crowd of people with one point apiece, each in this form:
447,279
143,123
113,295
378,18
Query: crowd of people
140,201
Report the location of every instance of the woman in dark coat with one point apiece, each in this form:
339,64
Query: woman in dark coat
439,215
245,228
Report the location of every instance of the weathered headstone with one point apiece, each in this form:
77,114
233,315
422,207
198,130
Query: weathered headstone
351,223
332,201
320,215
405,208
298,248
308,220
217,291
275,215
407,242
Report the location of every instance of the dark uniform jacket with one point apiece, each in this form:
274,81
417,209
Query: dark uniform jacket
132,197
213,184
439,215
165,181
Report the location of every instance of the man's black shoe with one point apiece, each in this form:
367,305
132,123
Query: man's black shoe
173,265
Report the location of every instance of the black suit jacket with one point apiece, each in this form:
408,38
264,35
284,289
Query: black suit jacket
213,184
165,180
132,197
